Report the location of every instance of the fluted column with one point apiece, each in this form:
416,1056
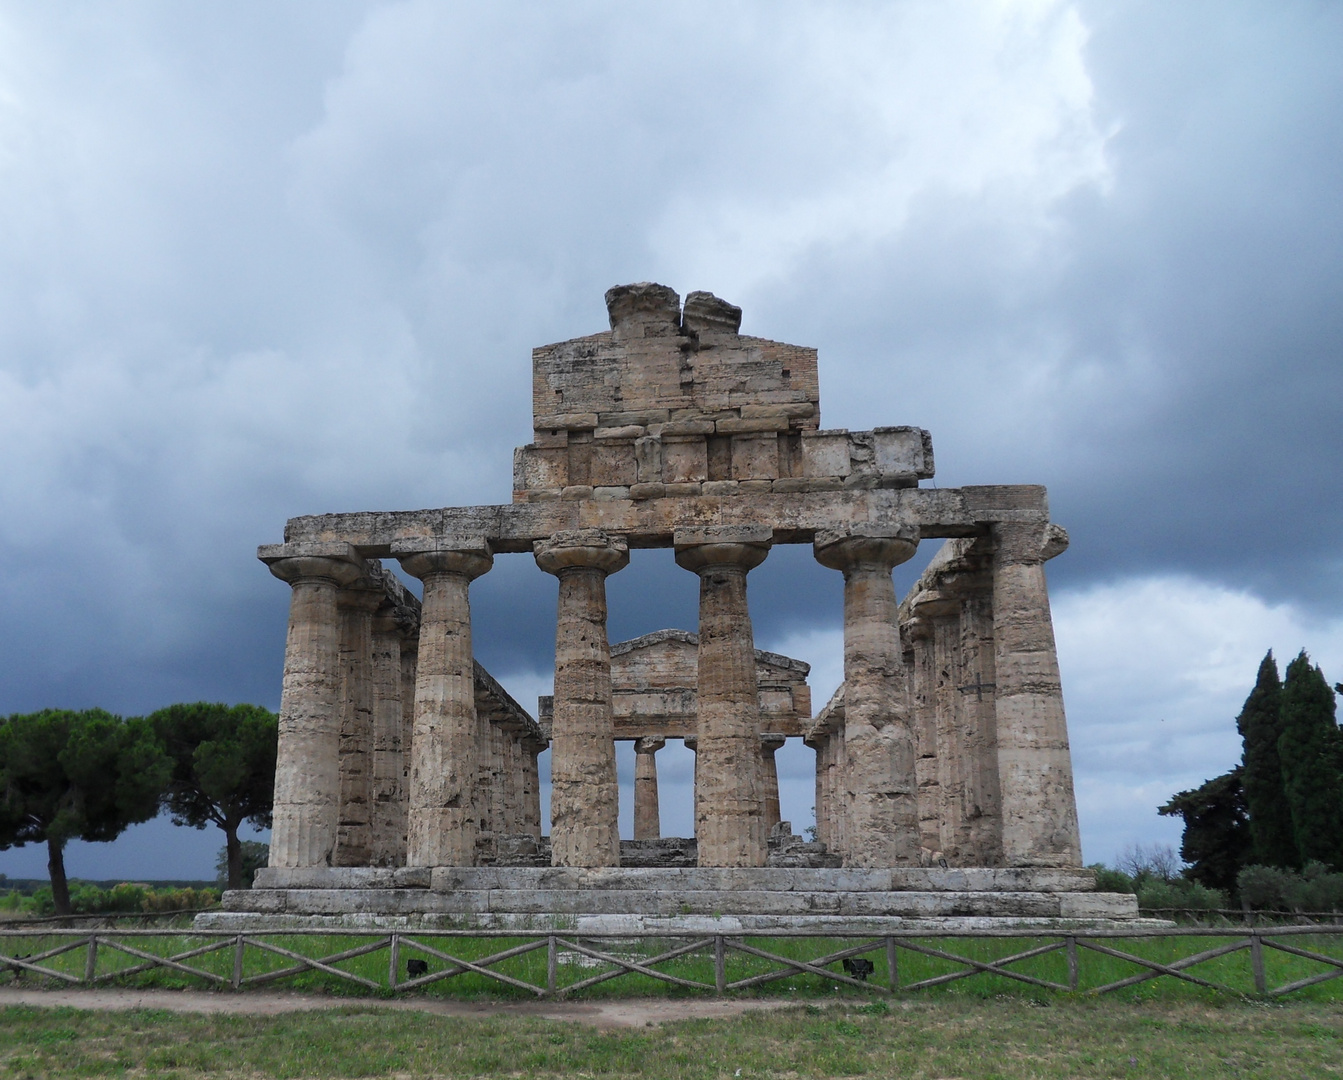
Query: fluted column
584,796
307,766
921,672
354,830
410,651
881,793
647,819
387,819
729,804
531,788
443,825
1034,763
769,777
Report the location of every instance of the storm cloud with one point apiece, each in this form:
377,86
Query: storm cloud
258,262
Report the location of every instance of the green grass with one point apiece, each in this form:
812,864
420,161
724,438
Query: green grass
932,1037
1233,970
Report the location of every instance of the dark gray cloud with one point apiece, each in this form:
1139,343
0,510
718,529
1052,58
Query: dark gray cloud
257,263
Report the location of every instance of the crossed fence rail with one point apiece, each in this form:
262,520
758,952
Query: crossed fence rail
608,949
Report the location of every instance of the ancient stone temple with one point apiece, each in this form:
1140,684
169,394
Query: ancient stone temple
407,785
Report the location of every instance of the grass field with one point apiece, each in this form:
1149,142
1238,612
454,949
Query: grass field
1232,970
942,1037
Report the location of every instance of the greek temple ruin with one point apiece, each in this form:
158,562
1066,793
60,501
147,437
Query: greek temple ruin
407,784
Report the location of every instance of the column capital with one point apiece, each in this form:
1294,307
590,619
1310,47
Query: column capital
880,549
362,597
582,548
1028,542
772,740
649,744
934,604
468,556
701,547
338,571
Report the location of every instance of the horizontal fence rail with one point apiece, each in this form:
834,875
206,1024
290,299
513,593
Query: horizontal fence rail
93,958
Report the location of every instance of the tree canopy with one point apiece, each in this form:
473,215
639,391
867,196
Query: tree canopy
1308,750
1260,725
223,769
1216,829
75,775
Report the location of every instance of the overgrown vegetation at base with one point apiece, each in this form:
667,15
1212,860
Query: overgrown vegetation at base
126,897
1002,1039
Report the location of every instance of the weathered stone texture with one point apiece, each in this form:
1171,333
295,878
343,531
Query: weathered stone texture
729,812
584,797
647,823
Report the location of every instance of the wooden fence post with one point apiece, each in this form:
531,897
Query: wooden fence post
1257,963
91,959
719,964
239,944
393,961
1072,963
552,964
892,968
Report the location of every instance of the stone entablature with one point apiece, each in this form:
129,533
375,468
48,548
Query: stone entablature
654,679
673,430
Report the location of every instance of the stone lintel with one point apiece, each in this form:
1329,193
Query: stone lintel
791,518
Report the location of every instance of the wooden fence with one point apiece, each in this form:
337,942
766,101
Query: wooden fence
858,962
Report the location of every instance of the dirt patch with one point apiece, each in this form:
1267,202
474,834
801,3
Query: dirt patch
624,1013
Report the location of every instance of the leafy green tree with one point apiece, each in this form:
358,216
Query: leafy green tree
255,855
1216,840
75,775
1307,748
223,769
1271,834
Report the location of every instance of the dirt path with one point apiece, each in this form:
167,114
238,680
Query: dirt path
628,1012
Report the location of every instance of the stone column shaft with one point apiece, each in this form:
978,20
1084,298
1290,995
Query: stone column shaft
1039,809
584,795
307,768
410,645
647,818
983,804
769,743
443,825
922,674
947,708
354,832
729,803
531,789
387,822
881,793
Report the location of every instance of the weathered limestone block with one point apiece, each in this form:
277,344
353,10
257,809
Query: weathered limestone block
825,453
881,789
647,820
443,825
307,769
1039,808
584,797
729,810
922,673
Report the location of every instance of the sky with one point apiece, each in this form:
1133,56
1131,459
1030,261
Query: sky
262,260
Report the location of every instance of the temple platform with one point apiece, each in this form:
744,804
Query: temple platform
675,900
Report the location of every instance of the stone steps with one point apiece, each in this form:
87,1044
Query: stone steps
682,902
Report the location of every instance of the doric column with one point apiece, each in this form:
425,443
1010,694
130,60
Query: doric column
584,796
531,788
941,614
442,823
882,826
387,823
307,766
918,638
819,741
983,816
410,651
691,743
354,835
729,807
1034,765
647,819
769,777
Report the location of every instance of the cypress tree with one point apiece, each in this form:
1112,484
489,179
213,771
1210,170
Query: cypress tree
1307,748
1216,840
1272,838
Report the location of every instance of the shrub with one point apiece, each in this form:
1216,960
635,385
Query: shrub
1182,894
1264,886
1109,880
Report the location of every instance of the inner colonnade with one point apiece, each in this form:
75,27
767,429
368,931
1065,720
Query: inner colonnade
947,741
